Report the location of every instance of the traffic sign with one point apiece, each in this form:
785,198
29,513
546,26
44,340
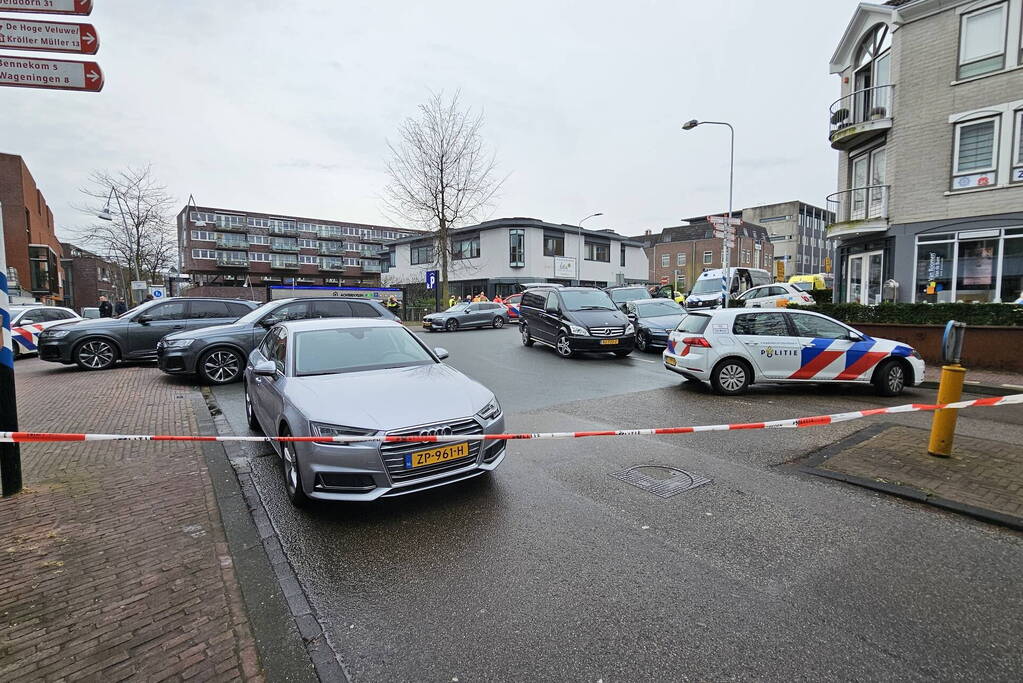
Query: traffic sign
664,279
48,36
80,7
431,279
724,220
54,74
723,233
157,292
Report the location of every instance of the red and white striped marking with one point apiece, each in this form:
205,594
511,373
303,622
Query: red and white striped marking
798,422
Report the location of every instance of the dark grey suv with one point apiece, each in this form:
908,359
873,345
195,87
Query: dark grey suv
98,344
218,354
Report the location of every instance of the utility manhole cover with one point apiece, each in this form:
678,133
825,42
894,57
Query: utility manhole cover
659,480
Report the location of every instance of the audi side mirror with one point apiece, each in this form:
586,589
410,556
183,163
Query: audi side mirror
265,368
269,321
143,320
441,353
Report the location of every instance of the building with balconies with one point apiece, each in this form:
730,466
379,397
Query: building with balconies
928,127
225,252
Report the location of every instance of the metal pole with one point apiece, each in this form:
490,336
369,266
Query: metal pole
579,260
10,454
729,231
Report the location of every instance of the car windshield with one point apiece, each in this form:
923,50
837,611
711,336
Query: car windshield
583,300
656,307
707,286
631,294
353,349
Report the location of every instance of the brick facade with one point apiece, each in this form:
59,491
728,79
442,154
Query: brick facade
27,220
88,277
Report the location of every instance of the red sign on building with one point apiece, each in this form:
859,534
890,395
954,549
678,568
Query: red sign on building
53,74
80,7
48,36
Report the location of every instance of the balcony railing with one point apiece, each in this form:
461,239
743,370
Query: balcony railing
283,245
332,264
333,249
231,261
231,242
869,104
288,264
371,267
367,252
868,203
280,230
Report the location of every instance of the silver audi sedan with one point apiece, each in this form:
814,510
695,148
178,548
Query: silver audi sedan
366,377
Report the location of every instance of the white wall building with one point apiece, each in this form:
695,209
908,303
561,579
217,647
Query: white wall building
496,256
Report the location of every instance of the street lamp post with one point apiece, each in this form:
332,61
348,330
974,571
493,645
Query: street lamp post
579,261
725,252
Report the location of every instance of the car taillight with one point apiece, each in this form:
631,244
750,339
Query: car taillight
807,298
696,341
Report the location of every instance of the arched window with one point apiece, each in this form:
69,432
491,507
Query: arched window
873,45
873,82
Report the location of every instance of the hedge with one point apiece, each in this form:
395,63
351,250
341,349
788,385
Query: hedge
1003,315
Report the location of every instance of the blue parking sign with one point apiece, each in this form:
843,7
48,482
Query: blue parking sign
431,279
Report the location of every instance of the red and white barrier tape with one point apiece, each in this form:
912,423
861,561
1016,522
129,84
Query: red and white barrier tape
817,421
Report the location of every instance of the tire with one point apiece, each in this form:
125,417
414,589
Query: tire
890,378
95,354
643,342
17,351
730,377
291,472
250,414
221,366
623,353
527,339
498,322
451,326
563,347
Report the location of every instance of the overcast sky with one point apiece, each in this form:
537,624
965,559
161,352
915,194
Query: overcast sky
286,107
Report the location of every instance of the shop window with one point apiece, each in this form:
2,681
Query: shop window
1012,270
934,262
976,270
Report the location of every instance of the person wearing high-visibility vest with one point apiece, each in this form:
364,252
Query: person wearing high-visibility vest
452,301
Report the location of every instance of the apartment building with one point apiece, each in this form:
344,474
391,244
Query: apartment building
929,204
88,276
498,256
227,252
798,232
34,271
691,249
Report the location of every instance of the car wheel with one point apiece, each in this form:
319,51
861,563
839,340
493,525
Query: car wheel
642,342
95,354
564,347
17,351
527,339
451,325
498,322
250,414
890,378
730,377
220,366
292,473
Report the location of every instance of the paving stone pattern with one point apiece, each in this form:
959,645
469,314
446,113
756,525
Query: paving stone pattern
982,473
113,562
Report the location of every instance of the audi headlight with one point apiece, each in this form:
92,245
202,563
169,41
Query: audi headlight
330,431
629,329
491,411
578,331
55,334
176,343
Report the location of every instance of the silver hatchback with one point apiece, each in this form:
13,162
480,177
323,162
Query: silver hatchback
356,377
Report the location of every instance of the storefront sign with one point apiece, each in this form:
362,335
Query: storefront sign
564,267
934,265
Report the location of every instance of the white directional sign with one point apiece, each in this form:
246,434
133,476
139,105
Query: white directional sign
54,74
48,36
724,220
81,7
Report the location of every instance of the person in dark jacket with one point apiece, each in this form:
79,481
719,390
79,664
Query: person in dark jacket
120,308
105,309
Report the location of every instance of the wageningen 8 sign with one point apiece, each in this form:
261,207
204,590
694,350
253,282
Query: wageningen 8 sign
54,74
79,7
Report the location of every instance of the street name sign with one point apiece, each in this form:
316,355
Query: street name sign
54,74
48,36
79,7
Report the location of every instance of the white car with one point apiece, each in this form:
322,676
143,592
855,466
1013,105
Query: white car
28,321
777,295
733,348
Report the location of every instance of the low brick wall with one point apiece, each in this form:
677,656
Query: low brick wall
993,348
222,292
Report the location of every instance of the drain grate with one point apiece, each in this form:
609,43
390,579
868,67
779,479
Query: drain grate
660,480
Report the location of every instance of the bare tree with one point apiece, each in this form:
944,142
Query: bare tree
134,226
442,176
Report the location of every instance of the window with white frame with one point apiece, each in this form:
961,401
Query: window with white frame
982,35
210,254
259,256
665,260
203,236
1017,149
308,260
308,244
680,259
259,239
708,258
975,156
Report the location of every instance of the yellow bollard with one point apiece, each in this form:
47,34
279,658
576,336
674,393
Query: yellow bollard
943,427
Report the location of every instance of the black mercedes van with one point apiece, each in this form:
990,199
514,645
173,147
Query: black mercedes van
575,320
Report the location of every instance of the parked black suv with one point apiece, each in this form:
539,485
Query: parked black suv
573,320
98,344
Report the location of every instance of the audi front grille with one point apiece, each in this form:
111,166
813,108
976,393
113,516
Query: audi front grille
394,453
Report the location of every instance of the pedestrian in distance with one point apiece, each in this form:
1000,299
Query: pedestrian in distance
120,308
452,300
468,299
105,309
149,297
393,306
498,299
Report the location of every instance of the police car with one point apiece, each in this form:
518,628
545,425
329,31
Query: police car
735,347
28,321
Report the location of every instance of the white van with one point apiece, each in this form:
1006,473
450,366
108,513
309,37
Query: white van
706,291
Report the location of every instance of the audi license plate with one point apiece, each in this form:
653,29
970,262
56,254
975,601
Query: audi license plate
433,456
608,342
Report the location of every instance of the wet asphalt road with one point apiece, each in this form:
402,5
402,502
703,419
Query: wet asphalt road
552,570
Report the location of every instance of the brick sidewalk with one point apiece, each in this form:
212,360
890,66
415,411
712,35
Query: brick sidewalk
983,475
113,562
